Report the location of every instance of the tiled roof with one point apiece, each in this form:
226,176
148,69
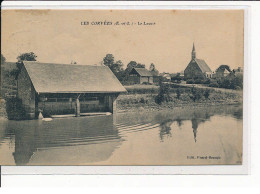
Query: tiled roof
203,65
143,72
64,78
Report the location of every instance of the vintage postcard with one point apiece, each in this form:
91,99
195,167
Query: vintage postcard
122,87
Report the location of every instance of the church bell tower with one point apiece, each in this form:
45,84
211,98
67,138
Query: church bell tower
193,53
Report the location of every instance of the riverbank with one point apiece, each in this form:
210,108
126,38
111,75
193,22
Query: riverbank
141,99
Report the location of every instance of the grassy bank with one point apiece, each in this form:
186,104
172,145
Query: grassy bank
143,98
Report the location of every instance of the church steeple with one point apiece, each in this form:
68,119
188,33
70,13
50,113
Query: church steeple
193,53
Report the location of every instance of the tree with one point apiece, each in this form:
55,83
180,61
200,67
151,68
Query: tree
133,64
115,67
164,93
223,67
2,59
139,65
152,67
153,70
108,60
22,57
27,57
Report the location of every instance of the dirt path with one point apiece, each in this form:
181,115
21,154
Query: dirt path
216,89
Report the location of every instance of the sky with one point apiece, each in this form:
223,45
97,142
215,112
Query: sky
57,36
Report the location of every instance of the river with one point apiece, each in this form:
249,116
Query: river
181,136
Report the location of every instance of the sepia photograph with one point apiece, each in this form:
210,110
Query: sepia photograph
121,87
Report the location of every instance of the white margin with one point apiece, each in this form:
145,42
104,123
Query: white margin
147,170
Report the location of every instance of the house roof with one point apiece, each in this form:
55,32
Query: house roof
222,70
143,72
203,65
154,73
64,78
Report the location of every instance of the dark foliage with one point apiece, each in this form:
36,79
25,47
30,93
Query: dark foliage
207,81
196,94
164,93
206,93
27,57
231,82
214,85
190,81
223,67
2,59
178,93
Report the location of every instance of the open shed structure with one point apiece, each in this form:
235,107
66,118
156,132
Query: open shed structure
140,75
56,89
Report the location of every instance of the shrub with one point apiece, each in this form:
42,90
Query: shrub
206,93
164,94
207,81
196,94
198,81
142,100
214,85
178,92
190,81
146,83
231,82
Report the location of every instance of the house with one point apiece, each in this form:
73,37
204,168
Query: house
140,75
197,68
220,73
156,76
166,77
238,71
177,77
55,89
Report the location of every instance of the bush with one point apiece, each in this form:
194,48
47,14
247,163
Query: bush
206,93
231,82
164,94
198,81
214,85
178,92
190,81
142,100
146,83
207,81
196,94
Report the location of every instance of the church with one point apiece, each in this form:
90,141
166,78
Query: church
197,68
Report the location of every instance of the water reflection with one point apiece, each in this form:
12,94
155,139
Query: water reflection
93,140
42,139
196,117
165,129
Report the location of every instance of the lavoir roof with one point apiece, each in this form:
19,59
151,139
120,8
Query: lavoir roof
72,78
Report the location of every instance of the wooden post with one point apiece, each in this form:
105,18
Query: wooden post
110,104
77,107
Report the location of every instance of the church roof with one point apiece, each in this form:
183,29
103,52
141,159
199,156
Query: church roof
202,65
